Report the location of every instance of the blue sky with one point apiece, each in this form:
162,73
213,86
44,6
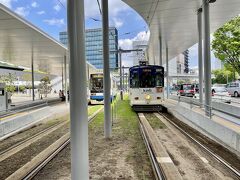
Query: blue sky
50,16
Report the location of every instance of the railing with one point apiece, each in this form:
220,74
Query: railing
218,104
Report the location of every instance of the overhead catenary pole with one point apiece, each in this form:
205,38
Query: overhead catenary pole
78,91
106,71
160,51
200,63
120,59
32,69
207,57
167,71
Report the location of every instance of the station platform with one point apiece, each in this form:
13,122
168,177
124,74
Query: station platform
220,127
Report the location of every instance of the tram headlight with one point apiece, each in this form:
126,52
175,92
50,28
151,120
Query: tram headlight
147,97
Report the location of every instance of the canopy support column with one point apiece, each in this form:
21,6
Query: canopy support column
32,70
106,71
167,70
78,91
207,58
200,63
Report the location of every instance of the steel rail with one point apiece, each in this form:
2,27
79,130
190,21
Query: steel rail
39,167
157,170
209,151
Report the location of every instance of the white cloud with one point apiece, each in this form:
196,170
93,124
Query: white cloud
127,44
117,22
57,7
115,7
22,11
54,22
7,3
34,4
41,12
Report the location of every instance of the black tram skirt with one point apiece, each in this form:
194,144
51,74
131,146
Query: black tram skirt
149,108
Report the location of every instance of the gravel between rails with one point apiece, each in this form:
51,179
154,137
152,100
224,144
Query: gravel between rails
11,164
191,161
217,148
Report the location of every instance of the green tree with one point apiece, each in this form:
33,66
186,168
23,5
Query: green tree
226,43
9,79
222,76
45,86
28,78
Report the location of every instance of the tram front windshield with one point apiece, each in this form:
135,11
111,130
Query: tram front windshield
147,79
97,84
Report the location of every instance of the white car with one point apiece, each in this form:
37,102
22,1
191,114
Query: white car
234,88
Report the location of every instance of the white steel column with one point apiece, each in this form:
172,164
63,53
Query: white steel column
207,57
106,71
160,51
78,91
200,63
32,69
167,70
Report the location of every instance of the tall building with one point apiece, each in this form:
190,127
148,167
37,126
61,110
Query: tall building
94,46
186,61
139,55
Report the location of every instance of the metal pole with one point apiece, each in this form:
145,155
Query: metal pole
65,78
78,91
207,57
200,63
160,51
32,68
167,69
62,76
106,71
121,88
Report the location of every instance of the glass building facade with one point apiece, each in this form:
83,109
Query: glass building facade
94,46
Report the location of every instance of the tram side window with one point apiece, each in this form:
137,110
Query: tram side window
134,81
159,80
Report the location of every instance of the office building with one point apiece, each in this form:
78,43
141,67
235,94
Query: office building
94,46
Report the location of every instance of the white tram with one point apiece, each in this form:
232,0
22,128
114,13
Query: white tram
146,87
96,88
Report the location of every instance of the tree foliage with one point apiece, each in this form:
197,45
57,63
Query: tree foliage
9,80
226,43
45,86
222,76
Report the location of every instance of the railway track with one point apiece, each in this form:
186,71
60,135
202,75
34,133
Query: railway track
156,168
30,170
204,147
24,143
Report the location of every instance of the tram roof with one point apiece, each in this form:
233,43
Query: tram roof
176,22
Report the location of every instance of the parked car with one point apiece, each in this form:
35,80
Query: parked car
234,88
186,90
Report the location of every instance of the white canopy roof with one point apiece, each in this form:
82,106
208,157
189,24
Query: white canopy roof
176,22
19,39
